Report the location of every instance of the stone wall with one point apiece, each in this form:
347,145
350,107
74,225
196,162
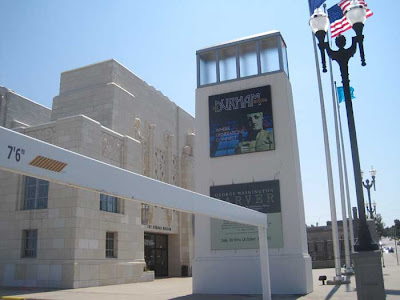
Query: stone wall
16,111
121,101
72,230
105,112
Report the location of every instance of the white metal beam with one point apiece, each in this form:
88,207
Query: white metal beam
87,173
27,156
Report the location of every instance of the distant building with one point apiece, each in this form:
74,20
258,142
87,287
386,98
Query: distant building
320,244
57,236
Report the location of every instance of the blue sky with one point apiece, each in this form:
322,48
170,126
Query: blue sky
157,40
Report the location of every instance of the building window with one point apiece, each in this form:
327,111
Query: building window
29,243
111,244
36,193
110,203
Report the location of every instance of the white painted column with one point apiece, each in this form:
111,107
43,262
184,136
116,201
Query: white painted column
264,263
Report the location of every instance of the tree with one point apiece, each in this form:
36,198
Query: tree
397,224
397,227
380,226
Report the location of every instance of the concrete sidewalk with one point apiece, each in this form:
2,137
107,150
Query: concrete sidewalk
181,289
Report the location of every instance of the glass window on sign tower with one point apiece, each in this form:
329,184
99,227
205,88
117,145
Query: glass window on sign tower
284,57
240,59
269,55
227,63
248,59
208,69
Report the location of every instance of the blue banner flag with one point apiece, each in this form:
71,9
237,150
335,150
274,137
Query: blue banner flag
340,92
315,4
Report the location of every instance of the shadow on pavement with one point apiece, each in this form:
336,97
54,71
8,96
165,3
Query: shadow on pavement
392,292
11,291
332,292
235,297
219,297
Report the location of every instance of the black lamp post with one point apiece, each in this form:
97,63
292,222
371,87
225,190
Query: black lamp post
319,23
371,209
368,185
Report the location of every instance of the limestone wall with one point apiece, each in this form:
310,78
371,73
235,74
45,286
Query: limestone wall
72,230
112,95
16,110
105,112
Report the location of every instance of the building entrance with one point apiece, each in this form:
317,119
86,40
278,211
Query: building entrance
156,253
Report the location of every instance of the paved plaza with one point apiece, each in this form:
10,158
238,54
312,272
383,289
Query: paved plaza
181,289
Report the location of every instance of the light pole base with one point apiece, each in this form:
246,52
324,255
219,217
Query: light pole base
348,271
369,276
365,241
372,229
338,280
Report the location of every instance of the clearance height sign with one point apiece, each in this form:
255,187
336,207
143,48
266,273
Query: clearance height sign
261,196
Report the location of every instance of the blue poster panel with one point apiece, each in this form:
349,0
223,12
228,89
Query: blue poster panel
241,122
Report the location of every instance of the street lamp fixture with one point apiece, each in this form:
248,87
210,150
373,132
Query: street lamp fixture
368,185
371,209
372,172
319,23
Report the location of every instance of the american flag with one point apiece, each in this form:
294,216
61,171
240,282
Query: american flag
339,22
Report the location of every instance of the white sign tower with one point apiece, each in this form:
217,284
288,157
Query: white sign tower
247,154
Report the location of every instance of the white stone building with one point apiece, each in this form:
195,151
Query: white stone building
57,236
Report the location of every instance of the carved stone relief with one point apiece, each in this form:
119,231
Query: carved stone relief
147,140
170,214
45,134
145,214
111,147
175,170
187,164
137,134
159,166
151,213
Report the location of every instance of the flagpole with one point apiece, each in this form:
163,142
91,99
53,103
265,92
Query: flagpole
342,196
341,185
346,180
335,236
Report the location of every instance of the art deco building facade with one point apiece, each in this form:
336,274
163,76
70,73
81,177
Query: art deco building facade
58,236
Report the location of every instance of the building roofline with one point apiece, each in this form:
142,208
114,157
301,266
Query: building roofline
101,62
26,98
240,40
105,61
96,63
